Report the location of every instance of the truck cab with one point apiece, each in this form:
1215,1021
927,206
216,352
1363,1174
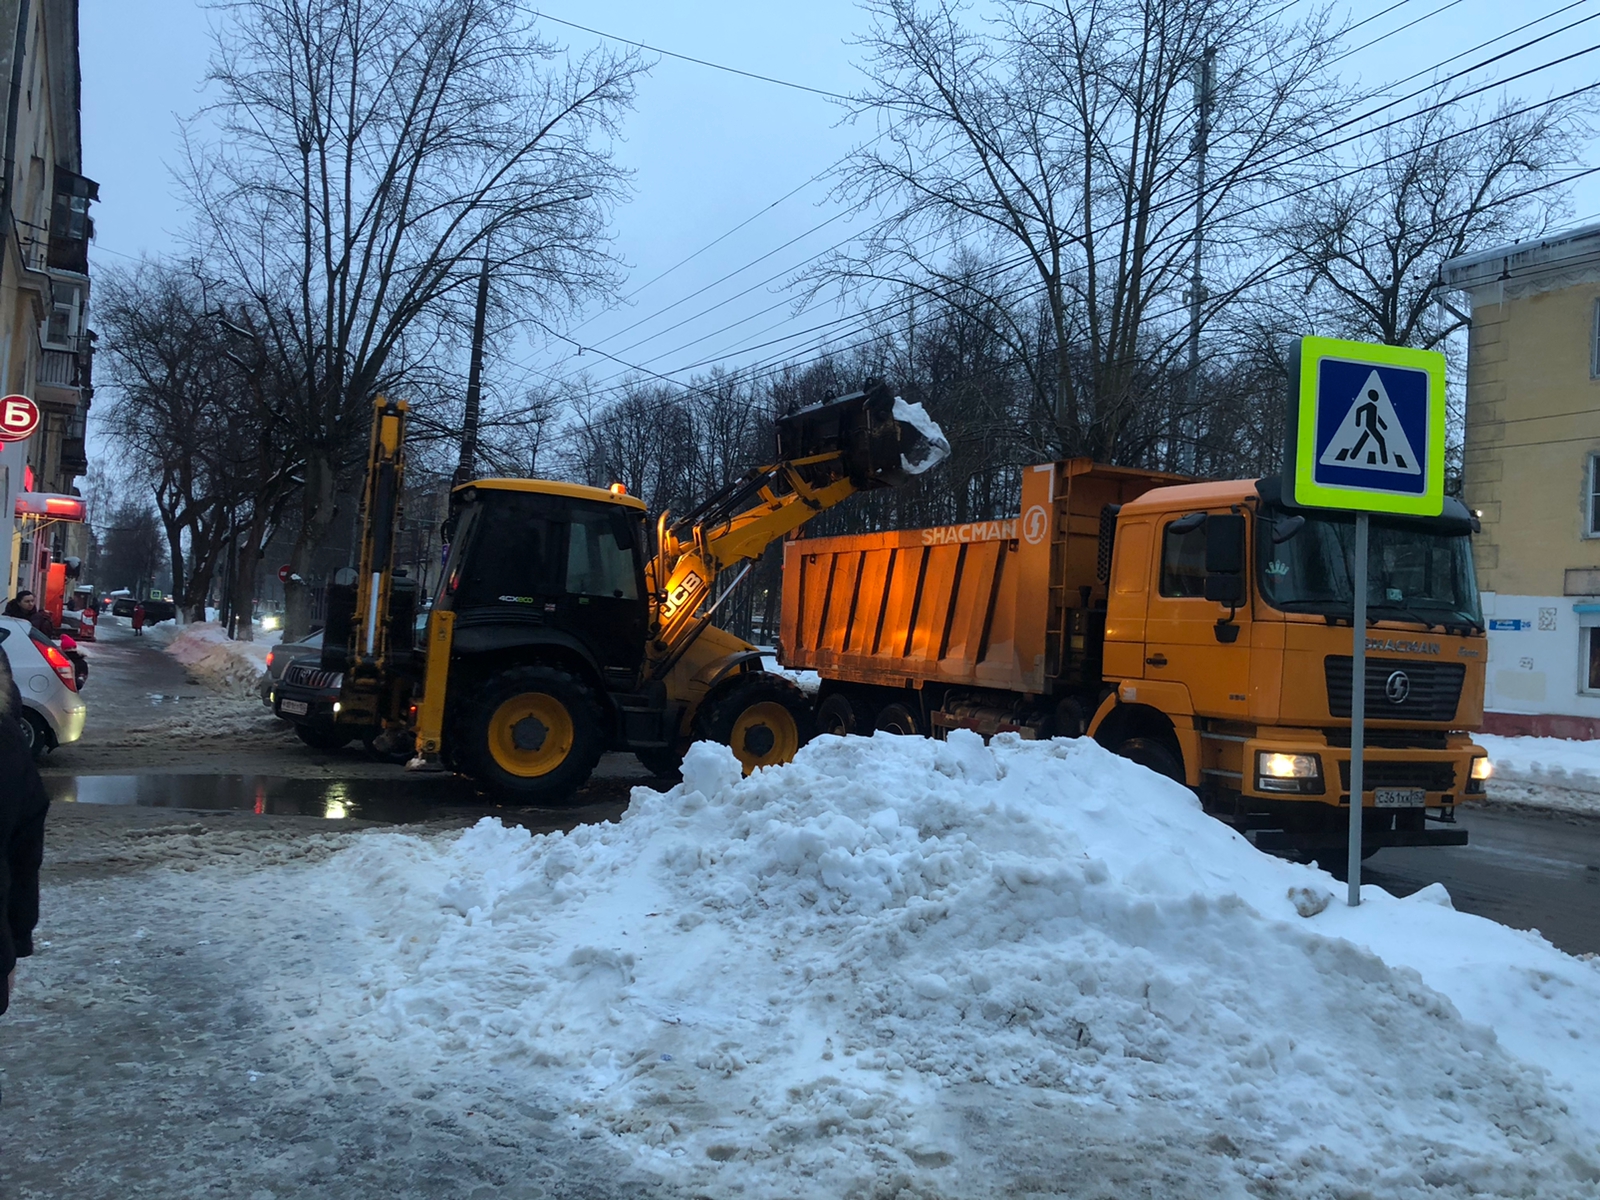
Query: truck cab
1227,657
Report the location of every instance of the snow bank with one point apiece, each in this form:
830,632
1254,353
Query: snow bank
1543,772
227,666
866,972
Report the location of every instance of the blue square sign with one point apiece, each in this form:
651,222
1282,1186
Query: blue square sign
1367,428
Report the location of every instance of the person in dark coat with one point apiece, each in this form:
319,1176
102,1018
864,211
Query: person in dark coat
25,606
23,805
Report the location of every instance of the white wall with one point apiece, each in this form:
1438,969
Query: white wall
1535,668
13,460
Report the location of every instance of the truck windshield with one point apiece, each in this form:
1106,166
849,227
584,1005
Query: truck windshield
1413,574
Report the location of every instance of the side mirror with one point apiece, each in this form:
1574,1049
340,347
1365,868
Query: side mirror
1285,528
1224,544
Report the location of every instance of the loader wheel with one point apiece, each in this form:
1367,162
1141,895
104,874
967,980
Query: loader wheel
840,716
764,719
1154,754
534,735
898,718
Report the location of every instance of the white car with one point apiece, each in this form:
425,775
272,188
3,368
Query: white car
52,711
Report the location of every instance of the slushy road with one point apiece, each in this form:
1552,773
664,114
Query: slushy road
1523,867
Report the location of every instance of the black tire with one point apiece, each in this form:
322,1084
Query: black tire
764,719
37,734
1155,754
322,737
900,719
838,715
533,736
664,762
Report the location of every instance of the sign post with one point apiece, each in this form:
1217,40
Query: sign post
19,417
1366,435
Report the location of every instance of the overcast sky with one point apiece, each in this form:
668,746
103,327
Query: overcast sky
709,149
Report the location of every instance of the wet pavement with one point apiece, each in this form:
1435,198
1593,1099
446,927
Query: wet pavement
402,799
1526,868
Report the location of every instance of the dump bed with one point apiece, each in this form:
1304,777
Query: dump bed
1016,605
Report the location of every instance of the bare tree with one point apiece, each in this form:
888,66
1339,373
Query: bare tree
370,155
1448,181
1053,155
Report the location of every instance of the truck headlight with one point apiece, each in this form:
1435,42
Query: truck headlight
1482,770
1279,772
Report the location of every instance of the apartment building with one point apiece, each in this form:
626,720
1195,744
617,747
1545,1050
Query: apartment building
1532,471
46,347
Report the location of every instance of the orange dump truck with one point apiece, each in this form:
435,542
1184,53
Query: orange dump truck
1201,629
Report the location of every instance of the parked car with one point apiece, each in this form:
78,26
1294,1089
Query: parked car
307,696
280,656
155,611
52,711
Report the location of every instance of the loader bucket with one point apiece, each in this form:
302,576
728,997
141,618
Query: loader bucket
881,440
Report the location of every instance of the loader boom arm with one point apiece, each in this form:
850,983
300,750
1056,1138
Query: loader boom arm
826,453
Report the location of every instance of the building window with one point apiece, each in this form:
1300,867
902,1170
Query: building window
1589,659
1594,495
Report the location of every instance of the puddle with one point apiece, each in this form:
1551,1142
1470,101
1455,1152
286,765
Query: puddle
426,799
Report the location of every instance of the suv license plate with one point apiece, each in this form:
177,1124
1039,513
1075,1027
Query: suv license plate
299,708
1390,797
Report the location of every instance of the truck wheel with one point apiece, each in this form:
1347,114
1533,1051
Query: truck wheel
764,719
534,734
838,716
898,718
1154,754
321,738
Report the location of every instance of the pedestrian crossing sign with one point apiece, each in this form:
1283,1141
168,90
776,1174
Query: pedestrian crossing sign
1366,428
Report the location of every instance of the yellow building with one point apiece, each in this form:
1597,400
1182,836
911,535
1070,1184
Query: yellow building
45,347
1532,471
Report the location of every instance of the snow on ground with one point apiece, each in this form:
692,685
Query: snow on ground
807,681
1544,772
231,667
905,967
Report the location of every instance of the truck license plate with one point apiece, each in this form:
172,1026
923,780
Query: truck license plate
299,708
1398,797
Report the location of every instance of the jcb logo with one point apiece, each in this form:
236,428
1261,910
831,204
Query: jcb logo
19,417
682,593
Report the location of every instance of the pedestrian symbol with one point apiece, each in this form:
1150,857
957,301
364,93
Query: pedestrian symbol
1371,437
1367,428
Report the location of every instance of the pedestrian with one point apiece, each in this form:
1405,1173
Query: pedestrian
23,805
26,606
138,619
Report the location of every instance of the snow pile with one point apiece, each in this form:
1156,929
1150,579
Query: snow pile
213,659
1544,772
1556,759
872,971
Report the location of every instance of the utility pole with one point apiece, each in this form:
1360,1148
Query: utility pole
1187,452
467,467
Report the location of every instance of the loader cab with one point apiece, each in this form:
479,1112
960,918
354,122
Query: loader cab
537,562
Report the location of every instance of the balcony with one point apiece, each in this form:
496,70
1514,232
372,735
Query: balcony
61,368
74,457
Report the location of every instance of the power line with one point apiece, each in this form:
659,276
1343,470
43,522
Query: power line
1265,169
701,62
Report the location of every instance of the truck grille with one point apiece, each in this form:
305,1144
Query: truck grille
311,677
1430,776
1433,693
